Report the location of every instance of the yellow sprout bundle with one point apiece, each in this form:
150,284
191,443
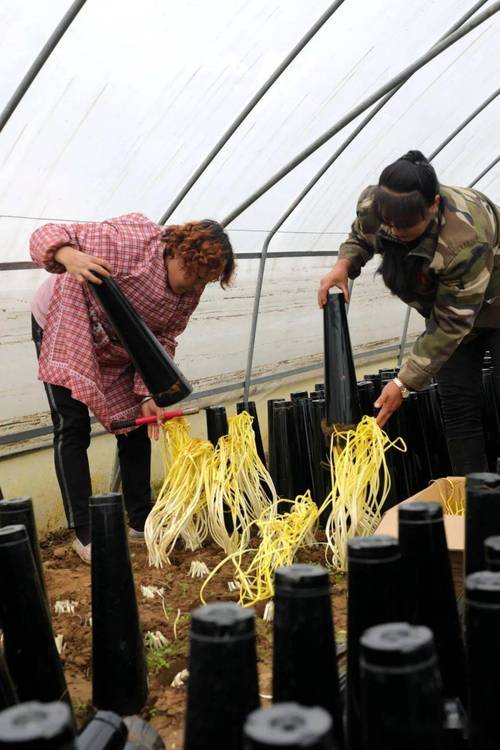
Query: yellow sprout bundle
180,509
281,536
360,485
202,483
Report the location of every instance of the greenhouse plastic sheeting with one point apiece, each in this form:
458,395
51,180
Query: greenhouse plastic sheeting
135,95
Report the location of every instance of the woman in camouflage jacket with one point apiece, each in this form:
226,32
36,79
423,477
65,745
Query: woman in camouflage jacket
441,255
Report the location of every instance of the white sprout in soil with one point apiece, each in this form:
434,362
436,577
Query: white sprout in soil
268,615
65,607
198,569
175,623
155,640
149,592
180,679
233,585
60,645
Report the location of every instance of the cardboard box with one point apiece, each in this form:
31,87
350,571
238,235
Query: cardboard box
451,488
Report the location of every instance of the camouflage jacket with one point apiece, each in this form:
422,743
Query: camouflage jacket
461,265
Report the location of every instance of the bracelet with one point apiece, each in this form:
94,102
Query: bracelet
147,398
405,392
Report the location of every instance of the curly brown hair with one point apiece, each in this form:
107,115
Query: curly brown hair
203,246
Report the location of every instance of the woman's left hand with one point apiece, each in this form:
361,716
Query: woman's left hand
150,409
388,402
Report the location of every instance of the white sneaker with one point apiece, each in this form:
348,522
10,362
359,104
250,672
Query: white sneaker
82,550
135,536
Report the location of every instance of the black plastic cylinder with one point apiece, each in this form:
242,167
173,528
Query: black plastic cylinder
119,675
302,461
304,653
374,597
342,401
37,726
482,628
401,689
321,483
8,695
492,553
281,449
319,387
429,588
19,510
164,380
482,517
376,379
106,731
366,394
270,438
298,395
29,645
222,687
217,425
252,410
289,726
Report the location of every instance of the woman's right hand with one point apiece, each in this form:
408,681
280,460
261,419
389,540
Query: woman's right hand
339,277
82,267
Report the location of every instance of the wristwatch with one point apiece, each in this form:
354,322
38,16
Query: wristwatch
405,392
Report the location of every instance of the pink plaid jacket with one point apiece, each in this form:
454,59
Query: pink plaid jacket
80,349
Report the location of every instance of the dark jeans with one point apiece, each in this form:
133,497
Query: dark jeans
460,389
72,438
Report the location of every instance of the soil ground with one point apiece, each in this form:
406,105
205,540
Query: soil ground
69,579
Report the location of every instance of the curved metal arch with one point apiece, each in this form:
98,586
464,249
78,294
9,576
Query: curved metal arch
308,188
40,61
362,107
249,107
485,171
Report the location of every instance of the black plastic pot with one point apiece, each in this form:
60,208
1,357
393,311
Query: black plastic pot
283,435
482,517
401,689
482,626
376,379
164,380
288,726
8,695
19,510
302,456
217,425
29,646
270,438
342,402
304,653
119,675
319,387
429,588
492,553
252,410
366,394
320,473
222,687
374,597
298,394
37,726
106,731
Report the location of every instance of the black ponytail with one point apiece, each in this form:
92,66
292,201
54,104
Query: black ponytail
406,189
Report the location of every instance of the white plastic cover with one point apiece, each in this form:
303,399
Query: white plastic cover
136,94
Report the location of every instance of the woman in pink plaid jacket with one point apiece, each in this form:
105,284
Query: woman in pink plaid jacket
163,271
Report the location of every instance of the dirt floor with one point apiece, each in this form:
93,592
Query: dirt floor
69,579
